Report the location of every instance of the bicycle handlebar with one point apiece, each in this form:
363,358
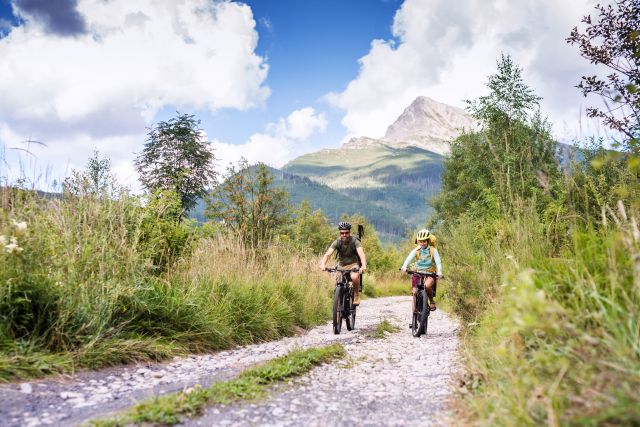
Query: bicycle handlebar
342,270
434,275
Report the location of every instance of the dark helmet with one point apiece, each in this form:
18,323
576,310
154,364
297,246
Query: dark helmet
344,225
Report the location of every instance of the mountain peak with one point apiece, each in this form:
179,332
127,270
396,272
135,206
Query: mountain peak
426,119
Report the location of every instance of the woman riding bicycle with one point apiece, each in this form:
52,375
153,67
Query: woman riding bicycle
427,260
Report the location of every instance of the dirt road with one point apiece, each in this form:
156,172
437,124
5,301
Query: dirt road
380,383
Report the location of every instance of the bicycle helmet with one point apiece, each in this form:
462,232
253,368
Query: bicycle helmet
423,234
344,225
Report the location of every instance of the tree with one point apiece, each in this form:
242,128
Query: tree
311,230
96,179
512,157
247,203
613,40
177,157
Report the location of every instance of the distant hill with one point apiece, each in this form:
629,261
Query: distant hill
332,203
398,180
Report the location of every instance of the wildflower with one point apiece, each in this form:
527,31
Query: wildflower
3,240
13,247
21,227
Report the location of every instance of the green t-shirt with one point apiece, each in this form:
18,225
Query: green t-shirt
347,251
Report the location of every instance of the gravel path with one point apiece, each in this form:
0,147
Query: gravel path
377,384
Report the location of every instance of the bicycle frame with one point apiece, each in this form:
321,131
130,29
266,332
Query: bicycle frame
343,299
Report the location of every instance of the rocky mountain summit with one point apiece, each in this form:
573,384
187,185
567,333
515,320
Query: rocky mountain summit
426,123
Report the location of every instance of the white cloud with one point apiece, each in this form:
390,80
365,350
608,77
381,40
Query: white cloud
278,144
445,50
103,87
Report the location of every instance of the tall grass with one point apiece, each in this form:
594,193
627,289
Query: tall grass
81,285
553,334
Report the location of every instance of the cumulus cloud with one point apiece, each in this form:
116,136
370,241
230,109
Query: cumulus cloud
278,144
102,87
445,50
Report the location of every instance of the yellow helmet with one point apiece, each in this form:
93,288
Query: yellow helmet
423,234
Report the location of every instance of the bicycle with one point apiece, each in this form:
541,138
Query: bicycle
421,310
343,307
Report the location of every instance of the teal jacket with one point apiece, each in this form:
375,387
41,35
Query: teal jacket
423,259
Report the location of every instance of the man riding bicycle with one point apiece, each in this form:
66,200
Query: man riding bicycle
350,254
427,260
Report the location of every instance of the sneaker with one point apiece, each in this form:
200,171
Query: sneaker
356,299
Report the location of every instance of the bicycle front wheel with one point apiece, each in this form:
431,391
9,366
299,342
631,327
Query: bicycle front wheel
350,320
415,320
424,313
337,310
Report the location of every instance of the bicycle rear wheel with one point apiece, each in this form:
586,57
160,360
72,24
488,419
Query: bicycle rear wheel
337,310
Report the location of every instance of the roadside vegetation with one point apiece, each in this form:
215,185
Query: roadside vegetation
92,276
251,385
544,254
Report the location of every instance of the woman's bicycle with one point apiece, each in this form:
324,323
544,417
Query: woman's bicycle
421,309
343,307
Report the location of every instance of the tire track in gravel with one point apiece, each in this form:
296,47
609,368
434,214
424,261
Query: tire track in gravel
377,384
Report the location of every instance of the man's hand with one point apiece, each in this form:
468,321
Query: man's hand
322,266
440,275
363,269
403,268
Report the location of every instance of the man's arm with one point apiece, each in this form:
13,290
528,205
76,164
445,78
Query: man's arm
325,258
363,259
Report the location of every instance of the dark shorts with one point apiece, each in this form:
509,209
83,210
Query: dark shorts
415,281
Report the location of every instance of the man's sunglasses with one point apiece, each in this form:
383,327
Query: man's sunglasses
344,233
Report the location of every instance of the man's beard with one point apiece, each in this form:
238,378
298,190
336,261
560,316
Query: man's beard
345,238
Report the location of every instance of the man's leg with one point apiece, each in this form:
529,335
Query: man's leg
355,279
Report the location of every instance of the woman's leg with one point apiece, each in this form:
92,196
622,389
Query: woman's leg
428,284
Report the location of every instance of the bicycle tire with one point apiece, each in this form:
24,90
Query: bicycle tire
350,320
424,313
415,321
348,305
337,310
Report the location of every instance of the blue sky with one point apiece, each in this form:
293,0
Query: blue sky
270,80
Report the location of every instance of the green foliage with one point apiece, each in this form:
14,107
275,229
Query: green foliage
248,204
96,179
512,157
612,39
80,285
542,271
309,231
250,385
177,157
162,234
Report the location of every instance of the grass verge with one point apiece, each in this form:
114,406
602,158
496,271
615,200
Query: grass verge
383,328
251,384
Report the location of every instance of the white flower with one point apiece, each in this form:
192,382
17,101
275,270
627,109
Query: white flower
3,240
21,227
13,248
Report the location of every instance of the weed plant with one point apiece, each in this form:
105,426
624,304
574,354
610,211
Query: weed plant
90,281
553,334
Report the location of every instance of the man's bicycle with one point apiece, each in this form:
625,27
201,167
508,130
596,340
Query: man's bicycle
421,309
343,307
